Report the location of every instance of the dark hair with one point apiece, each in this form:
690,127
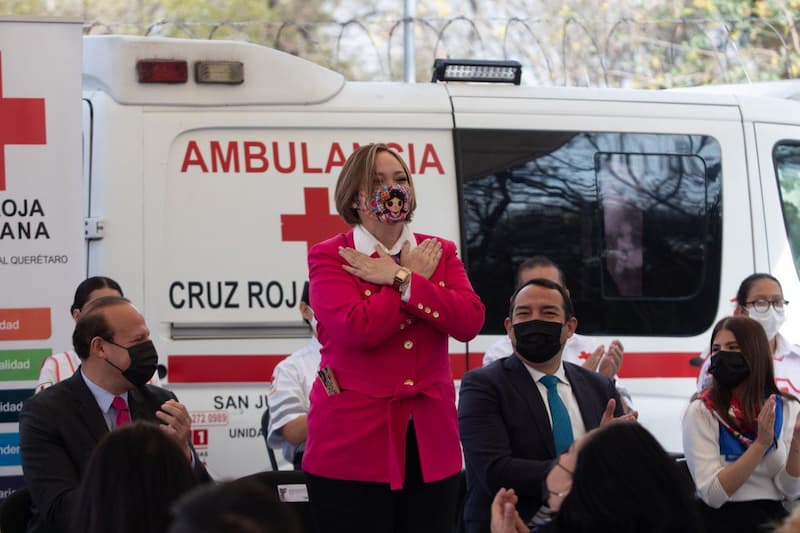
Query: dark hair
92,323
747,284
245,505
134,475
567,302
754,346
624,481
539,261
394,193
356,176
88,286
306,297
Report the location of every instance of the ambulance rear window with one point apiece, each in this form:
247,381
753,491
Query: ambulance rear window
633,219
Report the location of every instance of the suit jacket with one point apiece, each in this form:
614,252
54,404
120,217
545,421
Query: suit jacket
58,430
506,433
391,361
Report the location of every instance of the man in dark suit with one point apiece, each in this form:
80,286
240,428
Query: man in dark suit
506,414
60,426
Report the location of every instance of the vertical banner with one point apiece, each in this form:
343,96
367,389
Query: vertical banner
41,223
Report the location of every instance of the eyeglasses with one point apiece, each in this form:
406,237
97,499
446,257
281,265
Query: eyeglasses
762,306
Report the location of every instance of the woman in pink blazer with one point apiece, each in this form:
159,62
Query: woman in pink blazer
383,450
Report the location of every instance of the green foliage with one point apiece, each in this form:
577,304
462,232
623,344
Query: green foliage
280,24
637,43
709,41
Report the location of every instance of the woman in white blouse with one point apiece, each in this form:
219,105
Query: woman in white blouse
740,434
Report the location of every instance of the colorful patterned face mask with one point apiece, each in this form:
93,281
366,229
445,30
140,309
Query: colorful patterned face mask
389,205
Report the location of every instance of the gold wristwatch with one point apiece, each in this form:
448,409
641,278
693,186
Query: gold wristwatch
401,278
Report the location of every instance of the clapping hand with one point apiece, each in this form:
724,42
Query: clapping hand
605,362
766,423
608,415
505,518
591,362
612,360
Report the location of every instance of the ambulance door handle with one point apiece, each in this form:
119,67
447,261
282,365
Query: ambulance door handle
94,228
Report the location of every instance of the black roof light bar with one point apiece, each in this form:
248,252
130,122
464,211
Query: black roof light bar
489,71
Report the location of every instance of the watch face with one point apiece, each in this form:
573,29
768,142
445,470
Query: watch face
400,277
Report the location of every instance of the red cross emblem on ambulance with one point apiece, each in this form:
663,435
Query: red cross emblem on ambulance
316,224
22,121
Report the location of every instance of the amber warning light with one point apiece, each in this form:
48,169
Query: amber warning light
162,71
227,72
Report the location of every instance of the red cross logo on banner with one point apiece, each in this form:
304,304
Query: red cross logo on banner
21,122
316,224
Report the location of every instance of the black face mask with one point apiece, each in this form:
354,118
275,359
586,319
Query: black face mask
144,361
728,368
538,340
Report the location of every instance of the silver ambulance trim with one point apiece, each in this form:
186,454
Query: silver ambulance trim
241,330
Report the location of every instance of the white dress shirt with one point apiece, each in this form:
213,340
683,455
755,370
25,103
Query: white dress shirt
288,398
104,399
365,243
567,396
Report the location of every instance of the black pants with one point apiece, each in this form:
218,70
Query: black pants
341,506
297,461
745,517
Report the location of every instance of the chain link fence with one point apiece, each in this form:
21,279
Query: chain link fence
568,51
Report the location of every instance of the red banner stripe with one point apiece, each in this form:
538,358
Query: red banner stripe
221,368
658,365
233,368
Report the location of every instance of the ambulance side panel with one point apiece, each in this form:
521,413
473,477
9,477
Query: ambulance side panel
218,218
116,194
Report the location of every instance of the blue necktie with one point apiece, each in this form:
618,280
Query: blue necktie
562,428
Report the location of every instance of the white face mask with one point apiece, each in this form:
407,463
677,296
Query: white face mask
771,320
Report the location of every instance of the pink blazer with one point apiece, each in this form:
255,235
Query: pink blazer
391,361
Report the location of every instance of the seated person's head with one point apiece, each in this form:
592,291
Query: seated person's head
740,354
133,477
113,342
624,480
540,267
760,296
244,505
92,289
540,320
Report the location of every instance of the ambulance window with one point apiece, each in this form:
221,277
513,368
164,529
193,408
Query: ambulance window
633,219
786,156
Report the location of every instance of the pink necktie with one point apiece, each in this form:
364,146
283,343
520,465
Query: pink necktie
123,415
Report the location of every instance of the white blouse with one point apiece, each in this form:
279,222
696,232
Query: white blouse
769,481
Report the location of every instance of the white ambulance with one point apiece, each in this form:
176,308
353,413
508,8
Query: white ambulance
209,168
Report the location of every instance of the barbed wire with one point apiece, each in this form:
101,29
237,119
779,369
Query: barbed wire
628,52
